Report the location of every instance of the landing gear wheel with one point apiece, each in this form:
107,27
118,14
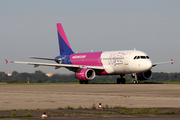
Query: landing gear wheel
118,80
123,80
136,82
80,81
86,82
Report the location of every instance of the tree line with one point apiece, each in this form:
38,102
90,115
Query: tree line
40,77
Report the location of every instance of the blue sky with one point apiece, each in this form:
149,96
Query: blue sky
28,28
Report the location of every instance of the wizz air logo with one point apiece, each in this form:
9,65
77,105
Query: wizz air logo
116,58
79,56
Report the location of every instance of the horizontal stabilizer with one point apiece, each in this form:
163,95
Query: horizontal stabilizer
45,58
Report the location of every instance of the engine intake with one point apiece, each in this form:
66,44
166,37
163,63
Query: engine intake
144,76
85,74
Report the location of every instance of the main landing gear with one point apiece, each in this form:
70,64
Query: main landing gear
83,81
136,81
121,80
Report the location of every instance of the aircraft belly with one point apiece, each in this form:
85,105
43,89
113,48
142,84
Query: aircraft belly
121,69
109,69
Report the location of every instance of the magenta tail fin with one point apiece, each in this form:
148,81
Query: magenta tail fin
64,46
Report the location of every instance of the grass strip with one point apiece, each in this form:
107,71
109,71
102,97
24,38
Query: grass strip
146,111
13,115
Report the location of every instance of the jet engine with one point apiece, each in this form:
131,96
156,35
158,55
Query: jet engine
144,76
85,74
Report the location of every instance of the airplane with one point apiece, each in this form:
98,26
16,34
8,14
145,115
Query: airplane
87,65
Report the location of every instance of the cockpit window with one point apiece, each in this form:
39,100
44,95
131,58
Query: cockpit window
141,57
147,57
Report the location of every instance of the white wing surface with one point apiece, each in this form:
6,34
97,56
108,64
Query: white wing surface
59,65
154,64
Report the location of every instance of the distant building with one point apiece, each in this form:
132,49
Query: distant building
8,74
49,74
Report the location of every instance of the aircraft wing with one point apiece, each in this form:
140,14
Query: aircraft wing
154,64
59,65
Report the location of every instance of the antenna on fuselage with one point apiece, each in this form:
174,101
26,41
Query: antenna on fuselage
134,49
91,50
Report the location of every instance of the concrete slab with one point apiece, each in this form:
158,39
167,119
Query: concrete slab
54,96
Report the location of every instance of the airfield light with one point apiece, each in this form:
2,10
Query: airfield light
100,106
44,115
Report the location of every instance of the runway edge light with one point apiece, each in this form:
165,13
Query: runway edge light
100,106
44,115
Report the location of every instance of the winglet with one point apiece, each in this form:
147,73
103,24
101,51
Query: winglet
172,61
6,61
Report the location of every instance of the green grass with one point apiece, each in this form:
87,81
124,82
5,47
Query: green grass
13,115
109,112
117,107
101,116
63,114
68,107
171,82
3,83
169,112
155,82
2,116
75,114
106,106
27,115
13,110
124,110
93,106
120,107
60,108
146,111
80,107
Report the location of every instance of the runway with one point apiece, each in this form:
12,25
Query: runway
54,96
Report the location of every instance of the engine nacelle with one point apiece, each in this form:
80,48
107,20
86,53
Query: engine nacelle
85,74
144,76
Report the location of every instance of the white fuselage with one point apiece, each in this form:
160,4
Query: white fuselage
125,62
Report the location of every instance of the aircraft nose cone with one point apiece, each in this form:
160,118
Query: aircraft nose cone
148,65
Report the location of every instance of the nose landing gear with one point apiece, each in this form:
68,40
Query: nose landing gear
136,81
